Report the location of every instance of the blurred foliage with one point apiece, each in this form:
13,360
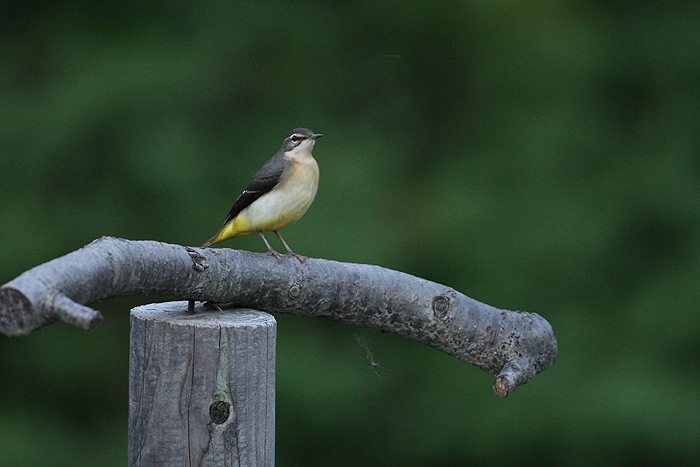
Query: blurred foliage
542,156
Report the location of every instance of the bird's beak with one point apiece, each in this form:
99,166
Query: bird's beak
316,136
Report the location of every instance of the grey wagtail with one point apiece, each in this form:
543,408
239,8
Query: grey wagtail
279,194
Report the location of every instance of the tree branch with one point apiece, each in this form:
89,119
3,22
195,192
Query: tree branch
513,346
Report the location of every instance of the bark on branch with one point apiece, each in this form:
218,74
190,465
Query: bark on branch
513,346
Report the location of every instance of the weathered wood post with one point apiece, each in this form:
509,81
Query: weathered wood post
201,387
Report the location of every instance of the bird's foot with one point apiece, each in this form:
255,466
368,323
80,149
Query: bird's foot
289,250
297,256
276,254
280,257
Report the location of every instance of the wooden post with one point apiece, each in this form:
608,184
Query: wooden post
201,387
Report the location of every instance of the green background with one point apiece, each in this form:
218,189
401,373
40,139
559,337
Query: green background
540,156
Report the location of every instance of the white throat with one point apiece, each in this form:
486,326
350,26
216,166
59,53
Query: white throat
302,151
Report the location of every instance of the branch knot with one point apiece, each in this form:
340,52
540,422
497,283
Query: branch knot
442,304
295,290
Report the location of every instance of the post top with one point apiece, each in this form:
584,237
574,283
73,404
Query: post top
176,313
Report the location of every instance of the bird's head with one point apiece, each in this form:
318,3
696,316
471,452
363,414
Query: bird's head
299,140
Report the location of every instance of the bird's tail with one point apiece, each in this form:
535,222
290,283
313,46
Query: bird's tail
229,230
215,239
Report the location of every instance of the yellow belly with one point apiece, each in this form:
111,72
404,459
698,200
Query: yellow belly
274,211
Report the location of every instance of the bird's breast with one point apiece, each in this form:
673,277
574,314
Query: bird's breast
289,200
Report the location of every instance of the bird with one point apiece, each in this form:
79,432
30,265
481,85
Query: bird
279,194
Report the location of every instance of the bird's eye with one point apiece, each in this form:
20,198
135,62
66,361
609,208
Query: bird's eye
296,138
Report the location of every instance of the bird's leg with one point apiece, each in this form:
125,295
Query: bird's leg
289,250
271,251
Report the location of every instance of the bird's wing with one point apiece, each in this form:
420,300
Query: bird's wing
264,180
